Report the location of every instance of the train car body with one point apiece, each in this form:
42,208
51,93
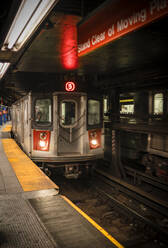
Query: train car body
143,131
62,128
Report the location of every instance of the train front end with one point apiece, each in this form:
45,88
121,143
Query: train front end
67,131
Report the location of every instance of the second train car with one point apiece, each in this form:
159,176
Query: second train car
60,129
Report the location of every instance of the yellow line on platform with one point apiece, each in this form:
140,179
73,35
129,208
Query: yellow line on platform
7,128
29,175
105,233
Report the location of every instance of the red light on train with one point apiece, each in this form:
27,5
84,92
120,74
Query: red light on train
70,86
41,140
94,138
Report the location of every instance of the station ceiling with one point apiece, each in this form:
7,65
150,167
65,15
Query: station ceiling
135,61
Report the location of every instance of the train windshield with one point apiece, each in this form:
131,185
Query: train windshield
43,111
93,112
68,113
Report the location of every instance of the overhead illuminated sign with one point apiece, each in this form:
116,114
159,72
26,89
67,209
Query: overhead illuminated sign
70,86
69,51
116,18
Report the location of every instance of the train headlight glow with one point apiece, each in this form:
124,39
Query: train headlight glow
42,143
94,138
94,142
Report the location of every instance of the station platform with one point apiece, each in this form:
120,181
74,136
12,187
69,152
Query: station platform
5,130
33,213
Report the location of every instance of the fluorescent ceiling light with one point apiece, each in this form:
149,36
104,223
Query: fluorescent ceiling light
29,16
3,68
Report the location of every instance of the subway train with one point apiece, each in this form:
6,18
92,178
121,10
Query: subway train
144,136
61,129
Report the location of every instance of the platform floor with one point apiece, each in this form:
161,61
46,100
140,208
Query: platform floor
33,216
5,130
19,224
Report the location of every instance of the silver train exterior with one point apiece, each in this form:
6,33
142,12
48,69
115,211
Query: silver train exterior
62,128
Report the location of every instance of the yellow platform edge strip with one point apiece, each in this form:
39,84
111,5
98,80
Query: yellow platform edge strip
7,128
105,233
30,177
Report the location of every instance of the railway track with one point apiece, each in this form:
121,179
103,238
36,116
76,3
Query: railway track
130,215
150,183
145,210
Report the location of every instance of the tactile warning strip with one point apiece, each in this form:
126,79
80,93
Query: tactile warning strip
29,175
19,227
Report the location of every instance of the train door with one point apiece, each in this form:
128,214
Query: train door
71,119
17,121
25,125
22,124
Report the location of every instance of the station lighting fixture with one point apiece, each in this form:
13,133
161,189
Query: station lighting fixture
3,68
29,16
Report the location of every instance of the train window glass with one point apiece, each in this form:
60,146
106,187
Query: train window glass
93,112
43,111
68,113
127,106
127,109
105,106
158,104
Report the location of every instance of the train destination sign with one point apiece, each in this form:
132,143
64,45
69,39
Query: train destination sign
70,86
115,19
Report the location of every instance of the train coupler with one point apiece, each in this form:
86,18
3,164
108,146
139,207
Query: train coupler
72,171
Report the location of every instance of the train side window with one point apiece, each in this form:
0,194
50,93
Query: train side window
68,113
106,111
105,105
158,104
43,111
127,106
94,112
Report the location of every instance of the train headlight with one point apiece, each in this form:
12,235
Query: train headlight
94,142
41,140
42,143
94,138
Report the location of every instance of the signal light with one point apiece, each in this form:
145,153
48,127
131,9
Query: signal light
70,86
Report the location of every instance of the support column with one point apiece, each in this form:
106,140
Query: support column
114,117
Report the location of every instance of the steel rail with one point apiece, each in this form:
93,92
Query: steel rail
146,178
138,194
128,210
162,232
